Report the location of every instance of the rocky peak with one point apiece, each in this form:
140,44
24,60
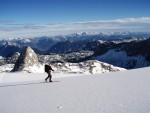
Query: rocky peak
27,61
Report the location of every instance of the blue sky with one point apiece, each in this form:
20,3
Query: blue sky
27,18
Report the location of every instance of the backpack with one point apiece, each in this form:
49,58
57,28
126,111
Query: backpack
47,68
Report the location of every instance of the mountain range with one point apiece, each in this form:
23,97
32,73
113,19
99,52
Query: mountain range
123,49
29,62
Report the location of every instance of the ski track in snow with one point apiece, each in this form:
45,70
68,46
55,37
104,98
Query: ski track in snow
117,92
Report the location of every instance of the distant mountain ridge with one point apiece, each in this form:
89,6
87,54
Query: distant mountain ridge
45,43
79,47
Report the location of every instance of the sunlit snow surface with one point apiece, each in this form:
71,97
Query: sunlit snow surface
116,92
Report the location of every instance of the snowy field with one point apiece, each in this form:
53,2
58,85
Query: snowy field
116,92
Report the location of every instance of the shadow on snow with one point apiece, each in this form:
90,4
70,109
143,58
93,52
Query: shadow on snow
24,84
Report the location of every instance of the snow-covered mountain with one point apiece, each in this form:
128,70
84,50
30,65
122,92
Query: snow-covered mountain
127,53
74,42
29,62
121,59
8,48
67,46
70,48
134,54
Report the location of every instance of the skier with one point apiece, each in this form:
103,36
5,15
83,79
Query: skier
48,70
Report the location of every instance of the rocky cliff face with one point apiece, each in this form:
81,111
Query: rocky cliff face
27,61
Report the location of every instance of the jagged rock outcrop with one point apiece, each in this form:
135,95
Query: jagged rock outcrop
86,67
27,61
12,58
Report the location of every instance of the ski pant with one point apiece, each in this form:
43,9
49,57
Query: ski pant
49,76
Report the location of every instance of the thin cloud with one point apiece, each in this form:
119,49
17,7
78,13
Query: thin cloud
134,20
125,24
34,27
6,21
106,24
21,27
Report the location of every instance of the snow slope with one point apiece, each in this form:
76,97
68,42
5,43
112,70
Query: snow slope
121,59
116,92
